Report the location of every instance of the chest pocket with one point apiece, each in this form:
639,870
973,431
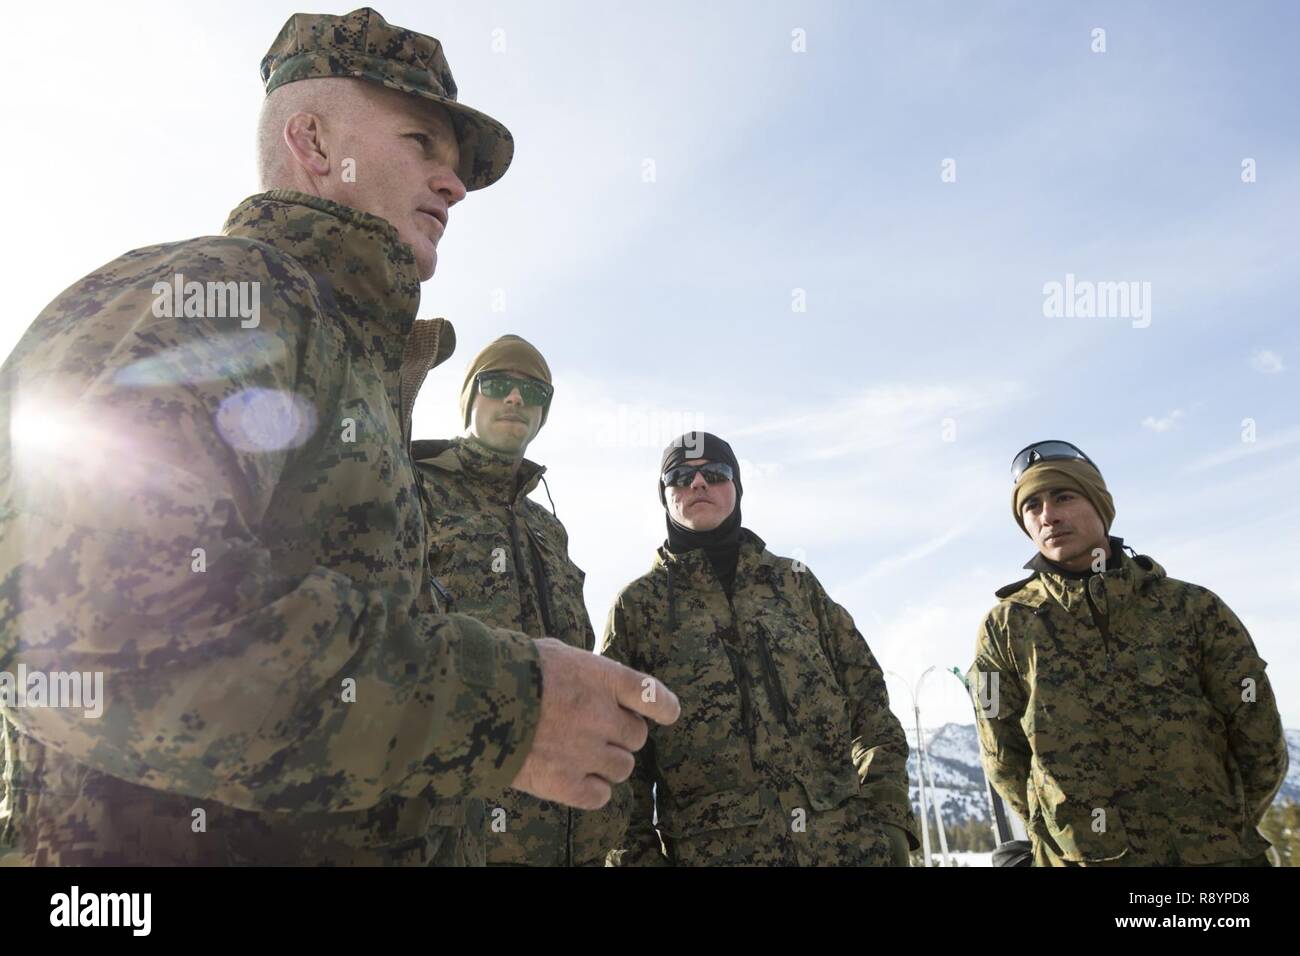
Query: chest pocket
802,685
706,750
1166,663
1156,677
472,561
1067,669
563,583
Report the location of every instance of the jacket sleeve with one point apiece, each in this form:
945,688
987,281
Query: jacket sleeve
879,744
1233,678
637,842
1004,749
130,548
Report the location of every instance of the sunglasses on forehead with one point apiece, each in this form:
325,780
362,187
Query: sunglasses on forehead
501,384
1045,451
714,472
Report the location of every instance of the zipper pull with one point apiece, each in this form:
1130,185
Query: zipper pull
442,593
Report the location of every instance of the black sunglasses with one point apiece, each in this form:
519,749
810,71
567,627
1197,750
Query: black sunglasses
500,385
1045,451
714,472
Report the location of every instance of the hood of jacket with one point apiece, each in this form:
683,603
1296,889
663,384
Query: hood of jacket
1133,575
363,272
491,470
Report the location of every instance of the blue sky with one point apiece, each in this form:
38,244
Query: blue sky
667,305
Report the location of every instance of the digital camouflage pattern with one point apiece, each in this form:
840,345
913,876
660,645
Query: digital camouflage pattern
363,45
786,751
503,558
1121,735
225,522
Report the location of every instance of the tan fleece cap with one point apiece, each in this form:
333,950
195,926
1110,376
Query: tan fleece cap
1075,474
510,353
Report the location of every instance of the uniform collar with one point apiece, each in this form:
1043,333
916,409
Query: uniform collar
1041,563
364,274
359,258
1124,576
482,465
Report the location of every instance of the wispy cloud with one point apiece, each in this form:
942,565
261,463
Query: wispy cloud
1270,363
926,549
881,417
1163,424
1245,449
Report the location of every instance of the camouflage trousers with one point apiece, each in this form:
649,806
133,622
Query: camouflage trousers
1045,856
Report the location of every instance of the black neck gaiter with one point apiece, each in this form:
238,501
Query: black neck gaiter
721,545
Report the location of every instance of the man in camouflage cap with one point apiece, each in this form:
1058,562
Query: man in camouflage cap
498,555
207,502
786,752
1125,716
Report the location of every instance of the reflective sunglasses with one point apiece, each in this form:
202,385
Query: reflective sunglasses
1045,451
500,385
714,472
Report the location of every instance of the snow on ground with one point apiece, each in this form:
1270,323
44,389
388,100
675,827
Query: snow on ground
962,858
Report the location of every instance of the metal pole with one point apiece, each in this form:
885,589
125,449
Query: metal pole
997,819
920,780
934,793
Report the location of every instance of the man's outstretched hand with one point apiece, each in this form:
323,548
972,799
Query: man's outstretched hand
593,720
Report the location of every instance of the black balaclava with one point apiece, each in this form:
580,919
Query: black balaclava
722,544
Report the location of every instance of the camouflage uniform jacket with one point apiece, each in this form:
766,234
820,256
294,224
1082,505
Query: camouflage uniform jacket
786,751
1120,730
224,522
501,557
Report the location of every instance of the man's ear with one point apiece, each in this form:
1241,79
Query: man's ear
302,134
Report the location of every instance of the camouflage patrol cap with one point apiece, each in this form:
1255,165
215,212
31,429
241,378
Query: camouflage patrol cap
362,44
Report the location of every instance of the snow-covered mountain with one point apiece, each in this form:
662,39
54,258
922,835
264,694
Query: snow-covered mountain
954,753
1291,785
959,779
